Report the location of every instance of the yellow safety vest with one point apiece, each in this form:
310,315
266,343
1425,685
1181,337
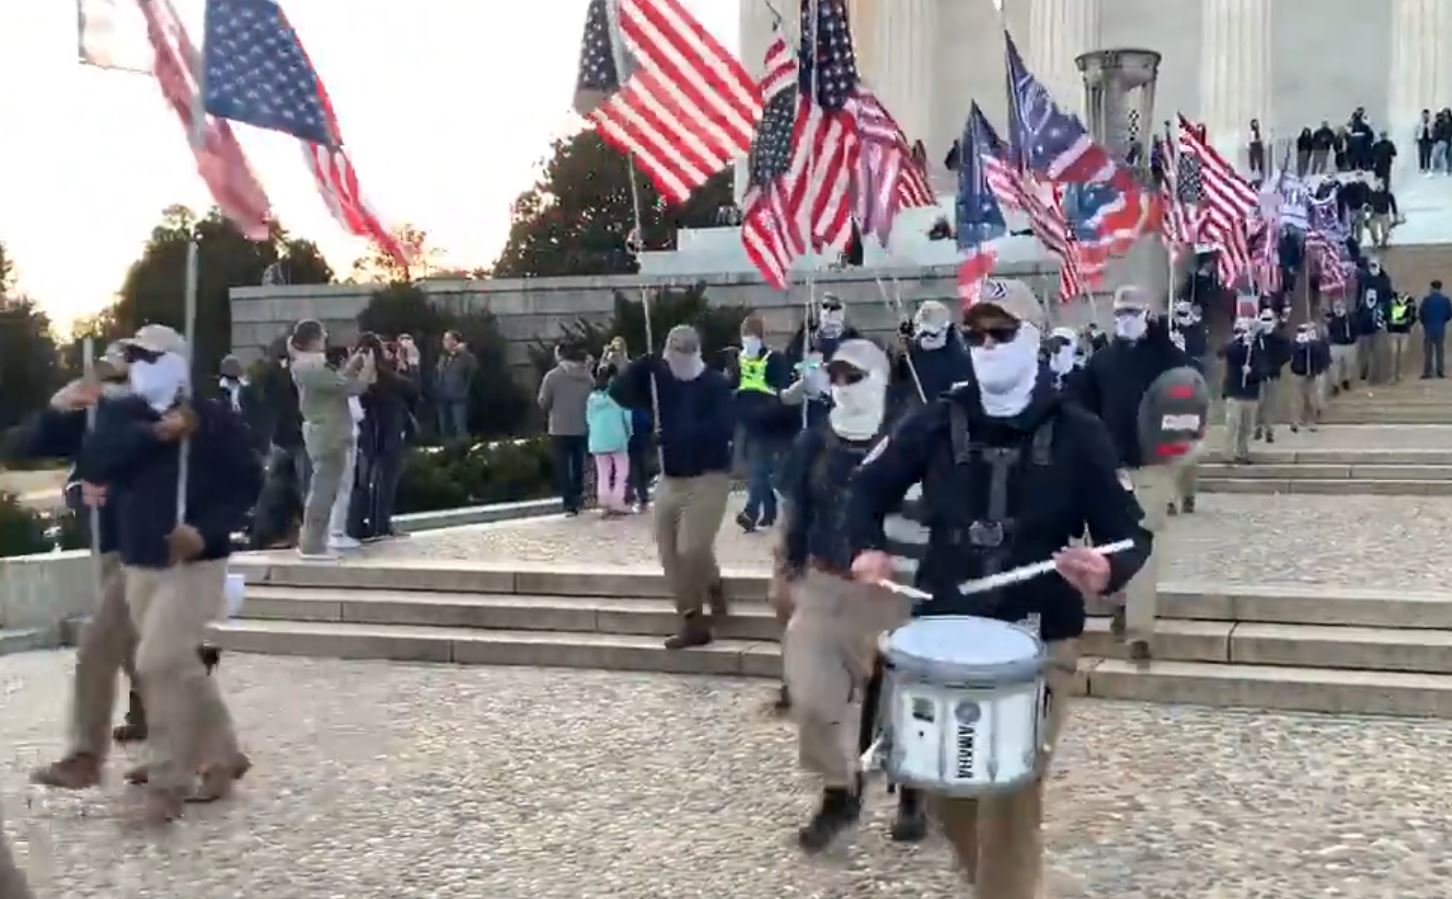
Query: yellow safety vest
1399,311
753,375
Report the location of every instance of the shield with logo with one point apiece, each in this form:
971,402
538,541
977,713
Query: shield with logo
1173,416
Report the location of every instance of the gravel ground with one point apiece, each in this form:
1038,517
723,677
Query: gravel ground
1346,540
421,781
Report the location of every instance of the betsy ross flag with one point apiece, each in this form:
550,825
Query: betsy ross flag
1049,142
771,227
657,86
888,177
258,72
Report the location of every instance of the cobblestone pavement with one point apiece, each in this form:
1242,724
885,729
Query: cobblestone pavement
1347,540
427,781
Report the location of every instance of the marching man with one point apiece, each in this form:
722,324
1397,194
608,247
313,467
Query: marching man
1010,473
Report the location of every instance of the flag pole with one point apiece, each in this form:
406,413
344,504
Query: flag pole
811,300
896,309
612,11
88,363
198,136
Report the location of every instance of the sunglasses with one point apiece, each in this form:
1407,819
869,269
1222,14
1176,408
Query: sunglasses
844,375
977,335
134,354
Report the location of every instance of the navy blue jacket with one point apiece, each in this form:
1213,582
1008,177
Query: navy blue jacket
815,482
53,434
696,420
1115,380
1239,383
1435,313
1342,329
1371,317
939,369
140,473
1197,343
1080,485
1275,352
1310,359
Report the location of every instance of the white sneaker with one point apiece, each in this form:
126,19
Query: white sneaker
318,557
342,541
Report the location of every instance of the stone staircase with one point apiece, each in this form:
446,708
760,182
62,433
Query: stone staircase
1305,647
1375,472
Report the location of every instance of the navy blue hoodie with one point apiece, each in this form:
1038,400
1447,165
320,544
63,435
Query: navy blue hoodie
140,472
696,420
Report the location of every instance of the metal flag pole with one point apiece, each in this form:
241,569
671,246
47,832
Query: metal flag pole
198,136
811,301
612,11
88,362
895,307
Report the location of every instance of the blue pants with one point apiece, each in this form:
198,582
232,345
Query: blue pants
761,462
453,419
569,458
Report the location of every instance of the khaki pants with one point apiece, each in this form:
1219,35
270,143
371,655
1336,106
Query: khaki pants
1154,488
998,840
1380,228
1398,344
1268,410
1343,363
108,644
1308,401
12,880
1187,478
170,609
1239,421
827,656
688,513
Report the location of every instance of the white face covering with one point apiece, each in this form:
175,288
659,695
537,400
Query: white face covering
933,340
1265,325
1062,361
1303,337
833,322
1131,327
1007,373
685,366
857,409
751,345
162,382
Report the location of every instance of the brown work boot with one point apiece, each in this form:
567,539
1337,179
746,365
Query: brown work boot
694,632
77,771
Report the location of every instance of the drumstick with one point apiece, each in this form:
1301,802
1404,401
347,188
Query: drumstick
1002,579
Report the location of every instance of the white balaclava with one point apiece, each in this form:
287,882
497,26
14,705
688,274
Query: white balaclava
1304,335
858,409
833,319
1131,324
1007,372
1063,358
1267,322
1243,326
162,382
1184,314
931,324
683,353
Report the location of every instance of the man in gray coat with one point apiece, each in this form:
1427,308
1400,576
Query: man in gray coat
455,376
323,394
563,395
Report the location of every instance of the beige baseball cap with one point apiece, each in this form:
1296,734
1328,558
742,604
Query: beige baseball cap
158,339
1013,297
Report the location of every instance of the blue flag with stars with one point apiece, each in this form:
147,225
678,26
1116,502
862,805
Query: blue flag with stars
980,218
827,66
257,72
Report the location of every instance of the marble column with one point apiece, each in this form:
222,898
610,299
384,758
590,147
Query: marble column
1421,71
755,21
902,59
1235,74
1059,31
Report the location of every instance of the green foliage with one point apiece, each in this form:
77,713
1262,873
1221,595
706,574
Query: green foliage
155,287
576,219
22,532
719,326
29,362
461,475
498,405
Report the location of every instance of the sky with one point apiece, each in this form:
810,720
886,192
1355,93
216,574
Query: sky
447,108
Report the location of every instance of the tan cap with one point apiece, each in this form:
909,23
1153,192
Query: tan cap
158,339
1013,297
863,355
1130,297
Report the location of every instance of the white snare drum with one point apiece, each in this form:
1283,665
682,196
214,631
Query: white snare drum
963,705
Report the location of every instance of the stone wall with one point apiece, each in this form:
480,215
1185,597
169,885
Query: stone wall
535,309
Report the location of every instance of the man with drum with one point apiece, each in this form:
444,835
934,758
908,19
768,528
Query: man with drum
1010,473
829,647
1113,386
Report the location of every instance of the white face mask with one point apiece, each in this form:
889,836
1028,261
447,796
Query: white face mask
162,382
1007,373
685,366
1131,327
751,345
1303,337
833,322
857,409
1062,361
933,340
1266,325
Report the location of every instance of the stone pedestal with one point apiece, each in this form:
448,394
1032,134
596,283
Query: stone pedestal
1235,73
1421,71
1059,32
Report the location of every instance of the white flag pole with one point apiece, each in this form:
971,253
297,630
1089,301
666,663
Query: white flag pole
88,362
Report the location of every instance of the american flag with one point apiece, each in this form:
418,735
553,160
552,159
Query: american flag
1227,197
1335,277
1179,196
220,160
1233,261
683,107
1049,142
771,230
980,215
888,178
1266,267
259,73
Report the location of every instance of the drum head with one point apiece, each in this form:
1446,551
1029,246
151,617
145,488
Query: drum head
959,648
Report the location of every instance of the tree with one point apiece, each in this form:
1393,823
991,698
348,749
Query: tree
378,266
29,363
154,291
577,218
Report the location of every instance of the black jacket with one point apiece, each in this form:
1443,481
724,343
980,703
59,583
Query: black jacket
1342,329
53,434
1275,352
1382,202
1373,295
1051,498
140,472
1244,369
387,412
938,370
1323,139
816,481
1310,359
279,398
696,420
1116,379
1197,343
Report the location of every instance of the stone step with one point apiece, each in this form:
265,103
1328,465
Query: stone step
1339,457
23,639
1325,486
1322,471
1202,683
1387,415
